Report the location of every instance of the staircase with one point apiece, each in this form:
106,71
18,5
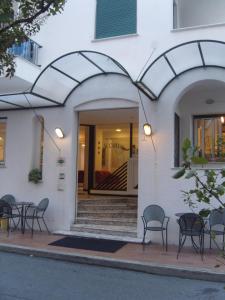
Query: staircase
117,181
108,216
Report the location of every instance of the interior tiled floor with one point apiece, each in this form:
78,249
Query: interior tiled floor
152,253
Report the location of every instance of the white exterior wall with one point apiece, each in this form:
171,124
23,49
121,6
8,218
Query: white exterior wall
74,30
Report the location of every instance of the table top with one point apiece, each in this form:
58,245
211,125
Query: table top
181,214
23,203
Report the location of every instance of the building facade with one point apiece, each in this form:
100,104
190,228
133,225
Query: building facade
103,69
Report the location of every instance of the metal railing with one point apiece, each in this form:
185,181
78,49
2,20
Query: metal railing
117,181
28,50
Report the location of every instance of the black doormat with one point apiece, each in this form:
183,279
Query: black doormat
89,244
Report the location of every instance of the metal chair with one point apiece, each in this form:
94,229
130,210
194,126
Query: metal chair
36,212
216,217
155,213
10,199
5,213
191,225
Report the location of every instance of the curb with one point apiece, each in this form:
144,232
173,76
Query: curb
150,268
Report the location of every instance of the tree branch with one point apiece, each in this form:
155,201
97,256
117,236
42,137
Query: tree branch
29,19
210,191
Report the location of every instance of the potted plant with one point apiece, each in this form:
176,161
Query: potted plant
35,176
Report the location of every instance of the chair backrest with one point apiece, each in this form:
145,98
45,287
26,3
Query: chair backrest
154,213
43,204
191,223
216,217
10,199
5,209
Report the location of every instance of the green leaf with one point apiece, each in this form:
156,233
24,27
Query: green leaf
221,190
204,213
190,174
179,174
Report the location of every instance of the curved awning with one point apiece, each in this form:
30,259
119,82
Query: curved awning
66,73
180,59
69,71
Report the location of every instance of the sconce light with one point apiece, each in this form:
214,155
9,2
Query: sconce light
147,129
222,120
59,133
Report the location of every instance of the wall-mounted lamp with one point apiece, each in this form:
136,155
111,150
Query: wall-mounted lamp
59,133
222,120
147,129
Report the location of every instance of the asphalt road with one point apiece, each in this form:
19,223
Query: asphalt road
32,278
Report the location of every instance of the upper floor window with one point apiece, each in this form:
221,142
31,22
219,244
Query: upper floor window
115,18
2,140
189,13
209,137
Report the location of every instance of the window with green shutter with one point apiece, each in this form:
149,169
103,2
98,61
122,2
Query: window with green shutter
115,18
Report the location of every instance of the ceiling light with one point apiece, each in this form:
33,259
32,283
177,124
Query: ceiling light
147,129
118,130
59,133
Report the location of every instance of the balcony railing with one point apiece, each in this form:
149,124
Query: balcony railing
28,50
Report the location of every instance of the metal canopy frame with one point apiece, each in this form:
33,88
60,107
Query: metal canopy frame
71,70
199,47
92,62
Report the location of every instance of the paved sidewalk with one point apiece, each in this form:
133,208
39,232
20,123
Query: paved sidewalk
133,256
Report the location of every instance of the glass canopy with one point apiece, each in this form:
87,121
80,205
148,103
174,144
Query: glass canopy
69,71
66,73
178,60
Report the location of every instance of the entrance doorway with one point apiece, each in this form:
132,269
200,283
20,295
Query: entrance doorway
108,152
107,172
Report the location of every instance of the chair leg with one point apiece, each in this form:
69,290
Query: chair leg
143,241
181,243
223,241
39,225
45,225
166,240
13,222
8,226
18,222
202,246
32,227
179,246
210,239
163,239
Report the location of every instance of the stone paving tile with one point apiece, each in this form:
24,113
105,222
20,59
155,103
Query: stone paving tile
152,253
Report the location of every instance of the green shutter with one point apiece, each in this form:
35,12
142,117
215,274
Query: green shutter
115,18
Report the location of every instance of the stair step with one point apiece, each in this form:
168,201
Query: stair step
108,201
105,221
108,214
125,231
100,207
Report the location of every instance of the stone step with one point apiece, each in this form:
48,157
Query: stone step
108,214
108,201
105,221
100,207
125,231
98,236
